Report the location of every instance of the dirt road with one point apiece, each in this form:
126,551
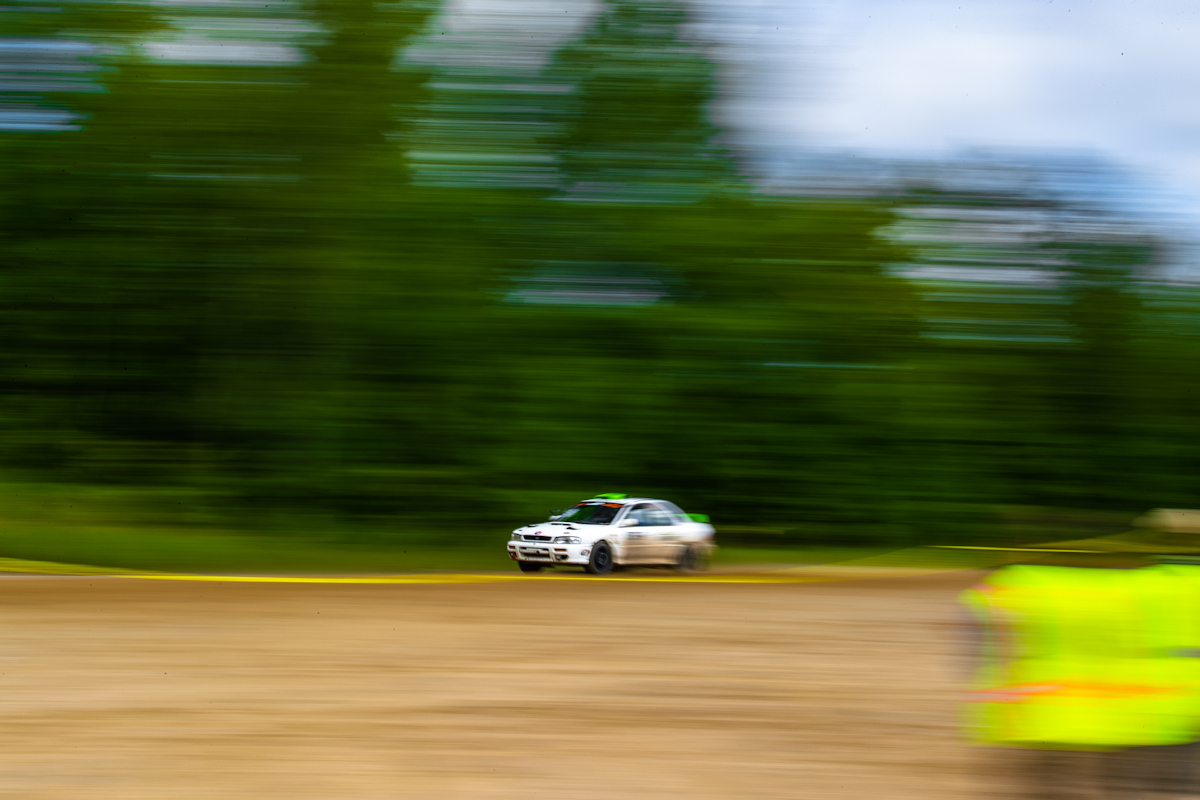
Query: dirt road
119,688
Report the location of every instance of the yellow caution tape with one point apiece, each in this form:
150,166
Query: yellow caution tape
486,578
902,563
52,568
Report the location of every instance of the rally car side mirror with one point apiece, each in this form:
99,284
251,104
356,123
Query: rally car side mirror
629,523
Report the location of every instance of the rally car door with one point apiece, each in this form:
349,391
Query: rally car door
672,534
653,539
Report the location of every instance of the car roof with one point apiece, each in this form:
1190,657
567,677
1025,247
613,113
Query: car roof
623,501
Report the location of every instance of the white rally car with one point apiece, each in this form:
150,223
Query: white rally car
614,530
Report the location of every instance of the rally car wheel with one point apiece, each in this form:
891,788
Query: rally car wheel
601,562
691,560
529,566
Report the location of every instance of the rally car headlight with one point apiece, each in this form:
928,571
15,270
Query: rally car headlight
567,540
514,537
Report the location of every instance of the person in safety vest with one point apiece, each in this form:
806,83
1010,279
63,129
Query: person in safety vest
1088,657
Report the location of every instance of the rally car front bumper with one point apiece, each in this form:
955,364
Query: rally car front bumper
549,553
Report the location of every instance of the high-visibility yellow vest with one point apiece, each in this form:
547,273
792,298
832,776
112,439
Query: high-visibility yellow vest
1088,658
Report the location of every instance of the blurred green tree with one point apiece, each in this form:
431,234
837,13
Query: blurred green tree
322,285
676,333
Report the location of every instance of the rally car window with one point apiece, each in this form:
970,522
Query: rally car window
675,511
597,514
658,516
649,514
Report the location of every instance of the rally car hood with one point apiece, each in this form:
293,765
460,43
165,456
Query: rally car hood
560,528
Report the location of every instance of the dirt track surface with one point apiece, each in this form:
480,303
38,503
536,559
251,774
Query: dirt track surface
129,689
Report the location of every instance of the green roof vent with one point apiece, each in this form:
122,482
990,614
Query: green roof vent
611,496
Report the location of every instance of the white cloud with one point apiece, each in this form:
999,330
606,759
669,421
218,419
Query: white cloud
1115,76
932,78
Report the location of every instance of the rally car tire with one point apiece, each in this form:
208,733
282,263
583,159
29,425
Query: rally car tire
692,559
601,561
529,566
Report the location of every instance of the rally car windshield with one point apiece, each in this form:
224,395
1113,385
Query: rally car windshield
598,514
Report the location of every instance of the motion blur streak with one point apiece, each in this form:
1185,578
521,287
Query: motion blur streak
347,269
498,691
358,286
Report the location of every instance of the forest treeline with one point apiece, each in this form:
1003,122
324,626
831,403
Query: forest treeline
394,294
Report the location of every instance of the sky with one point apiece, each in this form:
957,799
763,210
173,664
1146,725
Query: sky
1118,80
